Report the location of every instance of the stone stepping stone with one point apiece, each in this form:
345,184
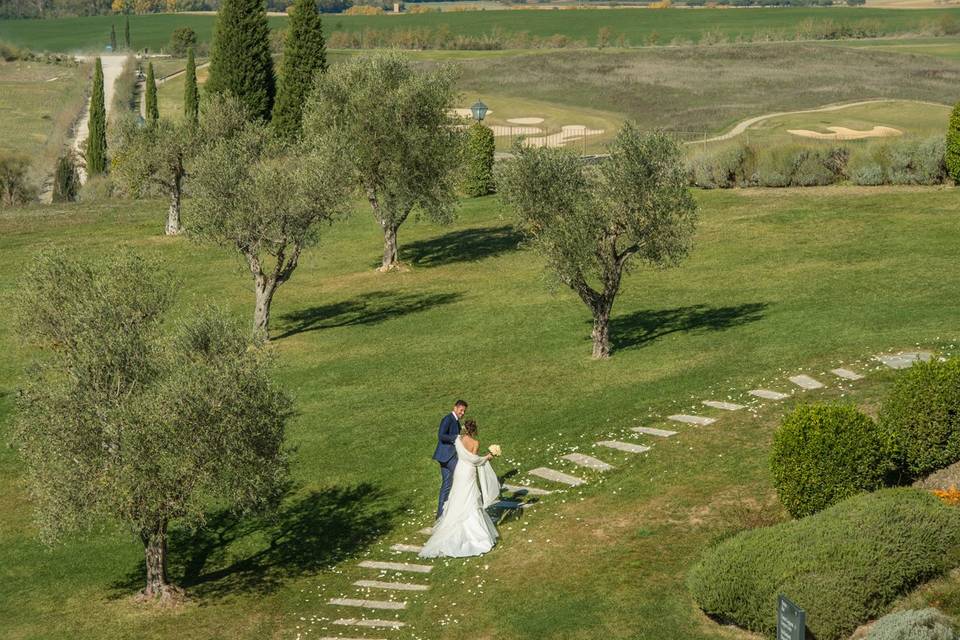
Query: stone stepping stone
507,504
846,373
525,491
394,586
904,360
766,394
396,566
650,431
376,624
806,382
367,604
427,531
629,447
589,462
557,476
726,406
701,421
409,548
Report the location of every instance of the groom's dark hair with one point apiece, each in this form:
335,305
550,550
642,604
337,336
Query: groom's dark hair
460,403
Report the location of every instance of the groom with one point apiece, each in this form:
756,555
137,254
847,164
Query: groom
446,452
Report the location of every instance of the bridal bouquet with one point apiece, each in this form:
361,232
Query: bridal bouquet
495,449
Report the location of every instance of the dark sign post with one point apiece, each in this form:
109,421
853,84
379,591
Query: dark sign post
791,620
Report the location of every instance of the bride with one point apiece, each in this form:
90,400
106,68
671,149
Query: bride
465,529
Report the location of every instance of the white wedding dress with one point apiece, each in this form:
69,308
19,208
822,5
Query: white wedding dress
465,529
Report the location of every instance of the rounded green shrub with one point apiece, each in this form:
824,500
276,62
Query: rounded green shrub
952,159
845,565
915,624
479,180
825,453
921,417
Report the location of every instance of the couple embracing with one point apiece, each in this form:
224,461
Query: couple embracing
468,485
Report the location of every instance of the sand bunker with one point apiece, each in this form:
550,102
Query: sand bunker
567,133
842,133
525,120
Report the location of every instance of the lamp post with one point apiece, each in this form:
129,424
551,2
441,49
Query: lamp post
479,110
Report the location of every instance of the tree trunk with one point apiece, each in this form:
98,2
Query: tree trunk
601,329
390,251
158,586
265,288
173,213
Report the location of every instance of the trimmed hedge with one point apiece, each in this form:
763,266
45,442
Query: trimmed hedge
901,161
914,624
921,417
479,180
845,565
823,454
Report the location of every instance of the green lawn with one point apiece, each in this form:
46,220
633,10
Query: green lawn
779,281
912,119
637,26
38,103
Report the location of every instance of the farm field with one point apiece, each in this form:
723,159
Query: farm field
779,281
636,26
38,103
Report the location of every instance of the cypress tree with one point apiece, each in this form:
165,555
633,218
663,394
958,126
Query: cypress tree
151,98
96,148
191,99
126,33
113,38
240,62
953,145
304,54
66,182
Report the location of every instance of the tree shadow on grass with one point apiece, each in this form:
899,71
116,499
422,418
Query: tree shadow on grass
465,245
369,308
235,554
642,327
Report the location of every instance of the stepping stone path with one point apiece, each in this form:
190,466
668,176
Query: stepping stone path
629,447
697,420
589,462
846,374
409,548
367,604
904,360
806,382
726,406
650,431
557,476
396,566
523,491
394,586
894,361
766,394
377,624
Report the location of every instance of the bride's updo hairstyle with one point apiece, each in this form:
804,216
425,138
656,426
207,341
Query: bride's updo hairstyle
470,428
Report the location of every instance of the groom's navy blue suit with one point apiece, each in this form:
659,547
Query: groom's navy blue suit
446,455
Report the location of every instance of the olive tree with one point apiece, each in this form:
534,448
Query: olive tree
120,420
593,223
266,199
397,139
155,157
